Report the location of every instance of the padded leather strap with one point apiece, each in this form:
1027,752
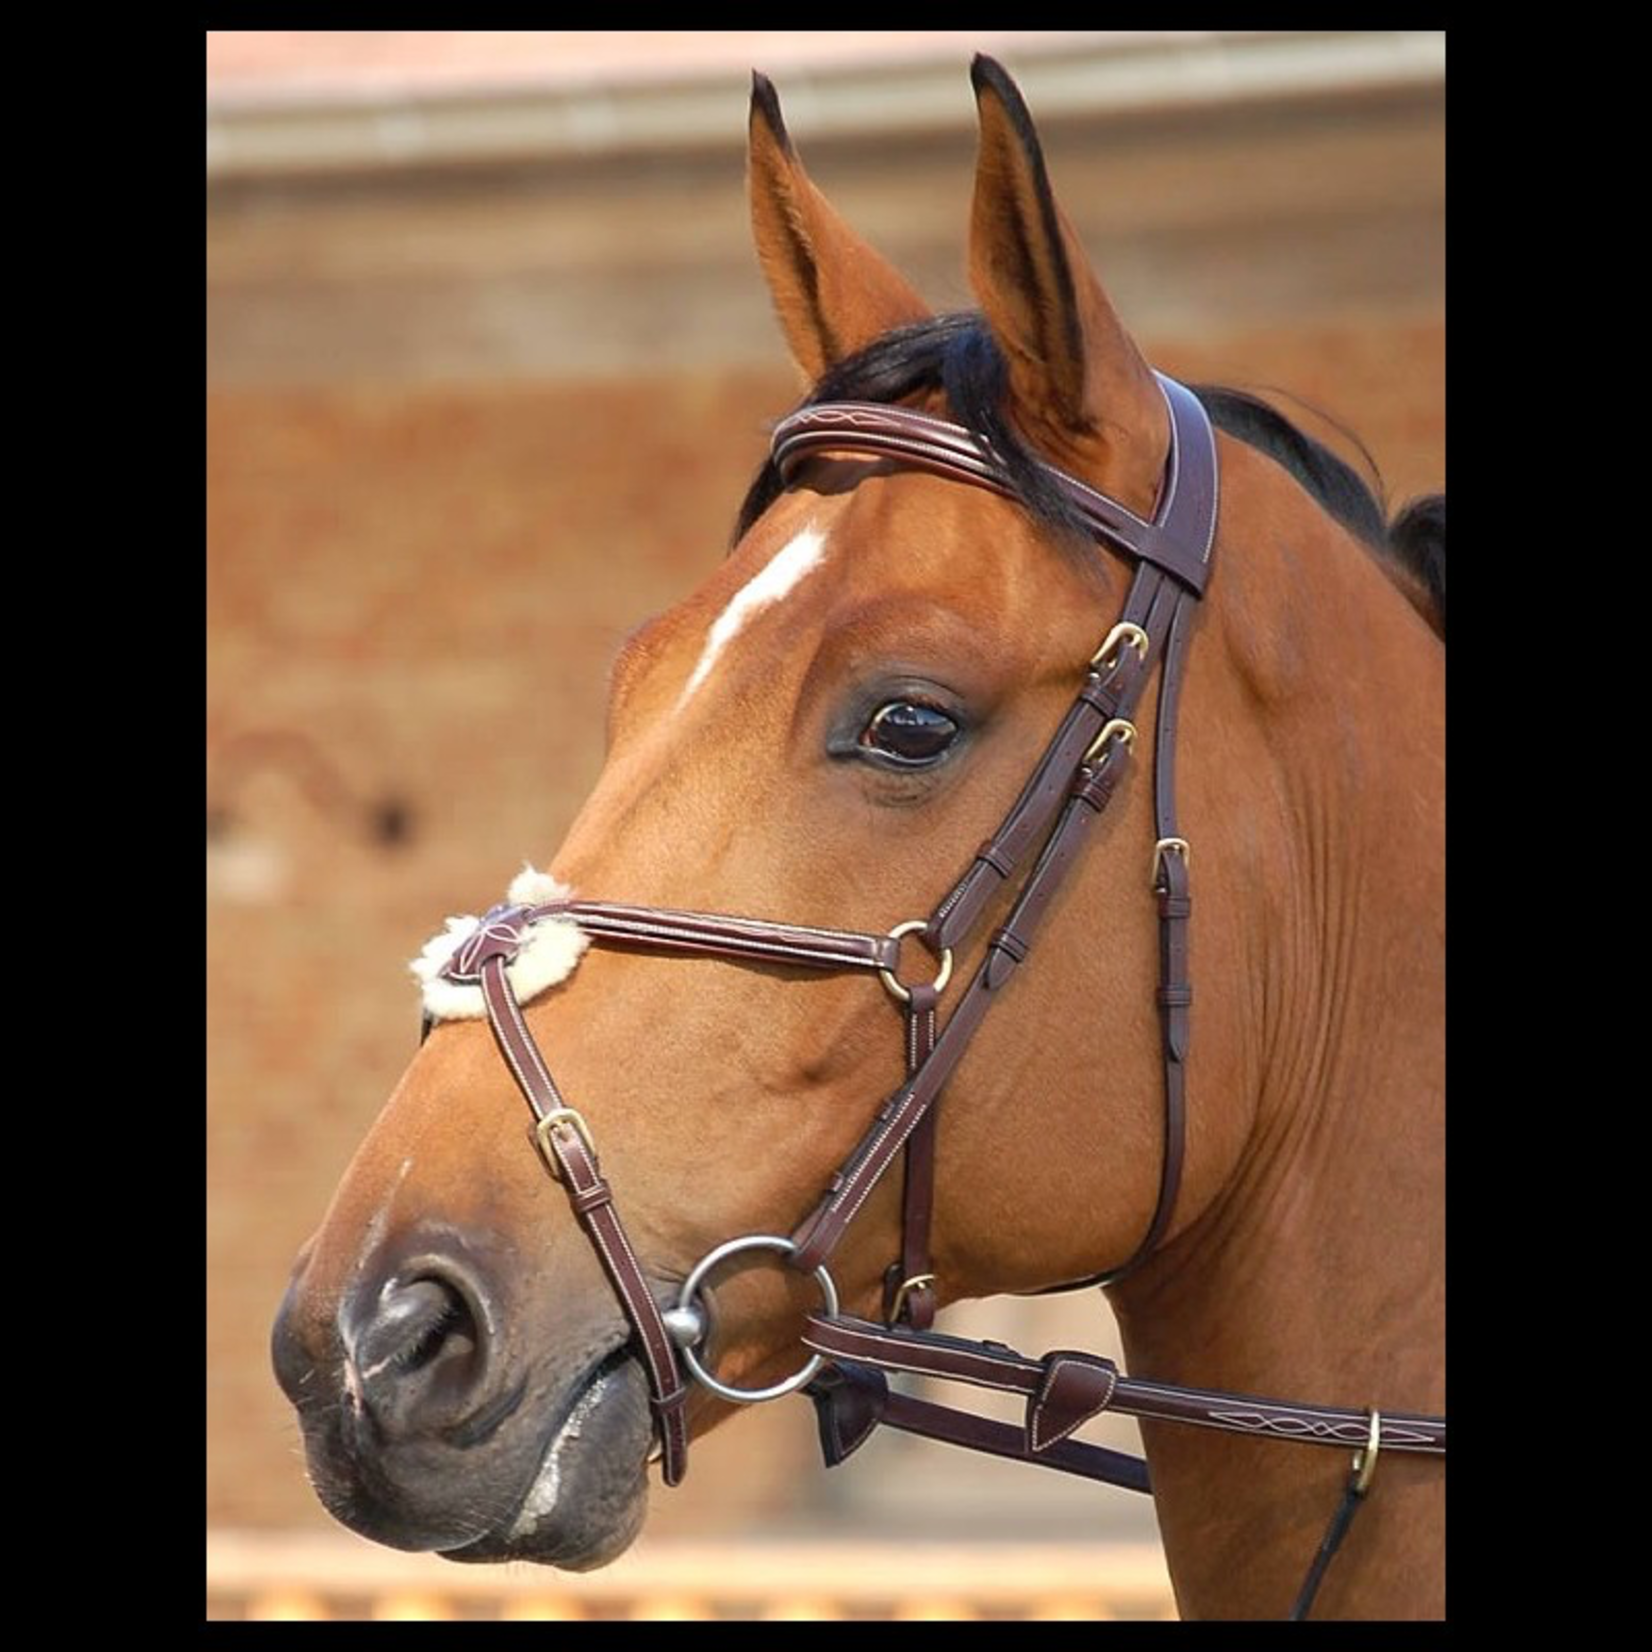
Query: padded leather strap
908,1288
718,934
1105,695
948,449
1053,1404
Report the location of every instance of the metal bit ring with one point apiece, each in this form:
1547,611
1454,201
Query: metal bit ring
685,1301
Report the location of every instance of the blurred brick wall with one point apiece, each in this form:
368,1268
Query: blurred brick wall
426,588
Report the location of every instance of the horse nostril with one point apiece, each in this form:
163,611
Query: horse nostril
421,1355
413,1325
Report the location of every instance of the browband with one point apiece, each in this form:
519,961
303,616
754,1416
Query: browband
950,450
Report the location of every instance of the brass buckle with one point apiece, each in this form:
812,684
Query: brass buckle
1124,632
1161,849
541,1136
1120,727
912,1284
892,986
1365,1459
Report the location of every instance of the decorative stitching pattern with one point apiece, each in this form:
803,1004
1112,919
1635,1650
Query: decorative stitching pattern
1292,1426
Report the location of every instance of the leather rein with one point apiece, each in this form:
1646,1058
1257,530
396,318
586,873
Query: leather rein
1072,783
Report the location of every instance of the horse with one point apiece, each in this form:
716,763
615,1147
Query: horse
507,1315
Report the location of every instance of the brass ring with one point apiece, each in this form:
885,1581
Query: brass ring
892,986
1365,1459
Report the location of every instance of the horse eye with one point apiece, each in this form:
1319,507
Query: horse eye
910,734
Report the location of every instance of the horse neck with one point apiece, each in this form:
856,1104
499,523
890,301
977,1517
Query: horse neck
1313,1268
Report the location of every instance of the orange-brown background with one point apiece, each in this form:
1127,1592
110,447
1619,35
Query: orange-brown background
467,425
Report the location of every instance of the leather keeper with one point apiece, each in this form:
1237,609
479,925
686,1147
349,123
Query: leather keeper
918,1310
1104,697
1075,1388
661,1403
1095,786
918,1305
591,1198
988,855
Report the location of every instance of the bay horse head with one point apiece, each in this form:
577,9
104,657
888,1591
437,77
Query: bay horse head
812,860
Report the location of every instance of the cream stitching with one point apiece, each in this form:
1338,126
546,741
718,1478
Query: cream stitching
896,1365
937,1362
621,922
1040,1404
881,1144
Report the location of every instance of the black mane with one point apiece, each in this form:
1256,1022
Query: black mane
957,355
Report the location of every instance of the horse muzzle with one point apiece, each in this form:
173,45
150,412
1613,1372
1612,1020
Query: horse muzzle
428,1426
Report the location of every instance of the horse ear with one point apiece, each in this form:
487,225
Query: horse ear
1077,380
832,292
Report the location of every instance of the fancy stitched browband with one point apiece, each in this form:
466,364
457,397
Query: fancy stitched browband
1071,784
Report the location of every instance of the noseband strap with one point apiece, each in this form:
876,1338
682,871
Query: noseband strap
571,1158
716,935
560,1133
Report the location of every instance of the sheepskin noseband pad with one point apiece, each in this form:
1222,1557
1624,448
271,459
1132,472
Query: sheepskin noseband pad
539,951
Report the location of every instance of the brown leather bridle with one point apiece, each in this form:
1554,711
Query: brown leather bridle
1070,786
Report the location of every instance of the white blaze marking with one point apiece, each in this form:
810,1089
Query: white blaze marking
370,1245
769,586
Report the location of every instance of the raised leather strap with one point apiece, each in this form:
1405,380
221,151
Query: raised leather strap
950,450
992,1365
1190,501
820,1232
1106,693
717,934
908,1283
1194,508
592,1201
